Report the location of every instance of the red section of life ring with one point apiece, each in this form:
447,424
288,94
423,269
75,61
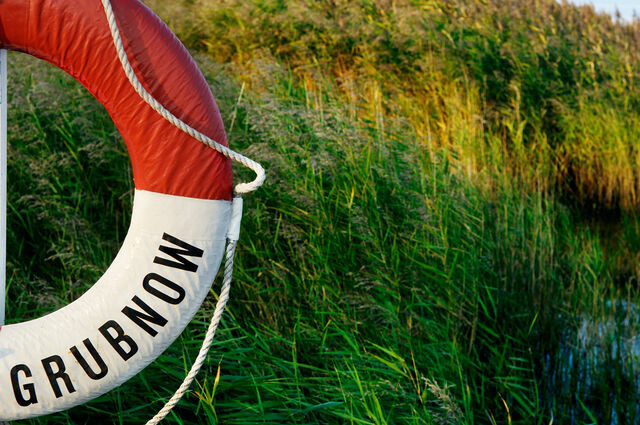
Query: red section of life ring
74,36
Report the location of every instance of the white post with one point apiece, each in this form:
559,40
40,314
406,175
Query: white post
3,182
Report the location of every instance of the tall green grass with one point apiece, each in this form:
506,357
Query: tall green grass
416,255
553,82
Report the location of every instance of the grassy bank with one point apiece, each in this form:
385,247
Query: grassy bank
424,250
499,83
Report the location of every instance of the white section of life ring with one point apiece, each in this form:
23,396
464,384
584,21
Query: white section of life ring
145,299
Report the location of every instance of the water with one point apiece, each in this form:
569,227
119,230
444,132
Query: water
596,368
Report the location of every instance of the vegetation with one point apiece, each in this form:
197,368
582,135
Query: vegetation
447,234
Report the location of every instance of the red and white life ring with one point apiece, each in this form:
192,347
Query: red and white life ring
182,204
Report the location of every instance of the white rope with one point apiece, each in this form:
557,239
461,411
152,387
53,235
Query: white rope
236,209
232,239
151,101
206,344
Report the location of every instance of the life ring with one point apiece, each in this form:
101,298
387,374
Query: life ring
181,209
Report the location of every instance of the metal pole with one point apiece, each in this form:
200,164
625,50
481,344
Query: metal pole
3,182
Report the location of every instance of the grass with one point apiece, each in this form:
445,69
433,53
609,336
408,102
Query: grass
546,80
446,235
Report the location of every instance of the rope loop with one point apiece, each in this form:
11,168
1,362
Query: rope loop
236,208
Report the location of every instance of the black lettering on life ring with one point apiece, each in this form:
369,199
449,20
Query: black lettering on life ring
179,290
59,374
96,357
181,263
163,289
122,343
149,315
29,388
